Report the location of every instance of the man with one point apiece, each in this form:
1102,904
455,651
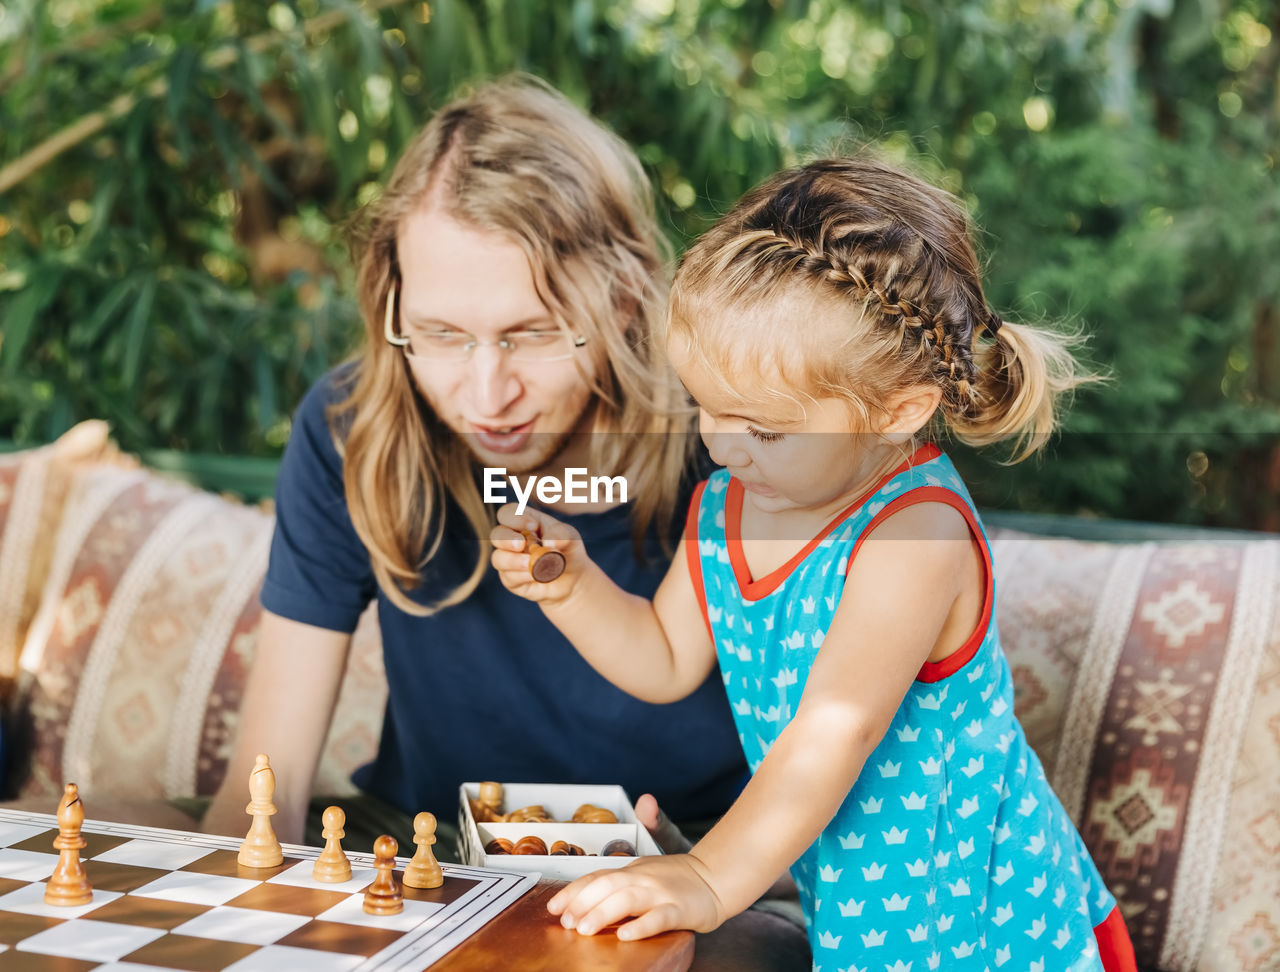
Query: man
509,277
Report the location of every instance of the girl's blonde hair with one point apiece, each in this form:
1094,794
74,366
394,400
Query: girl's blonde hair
894,255
516,158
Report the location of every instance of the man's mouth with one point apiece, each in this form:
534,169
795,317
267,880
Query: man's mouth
502,438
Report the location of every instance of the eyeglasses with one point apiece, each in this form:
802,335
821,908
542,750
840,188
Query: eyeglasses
551,344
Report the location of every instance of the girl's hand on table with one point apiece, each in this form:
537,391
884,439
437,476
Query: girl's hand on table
662,893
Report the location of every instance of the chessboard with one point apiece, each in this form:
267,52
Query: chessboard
166,899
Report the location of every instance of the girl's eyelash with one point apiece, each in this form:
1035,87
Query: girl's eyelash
764,436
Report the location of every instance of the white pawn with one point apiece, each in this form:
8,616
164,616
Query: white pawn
424,870
332,866
260,847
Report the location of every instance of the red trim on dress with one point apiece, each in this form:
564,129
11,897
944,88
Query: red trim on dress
1114,945
694,556
754,590
937,671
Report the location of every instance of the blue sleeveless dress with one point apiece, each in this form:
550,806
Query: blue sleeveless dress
951,851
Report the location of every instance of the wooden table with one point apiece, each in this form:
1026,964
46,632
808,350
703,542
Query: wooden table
526,937
523,937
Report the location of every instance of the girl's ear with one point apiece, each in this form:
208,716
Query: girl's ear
908,412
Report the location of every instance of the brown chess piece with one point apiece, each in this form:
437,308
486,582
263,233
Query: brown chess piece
260,847
530,844
534,813
588,813
332,866
68,884
487,807
545,564
383,896
424,870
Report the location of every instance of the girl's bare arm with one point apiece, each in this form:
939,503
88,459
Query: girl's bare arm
658,651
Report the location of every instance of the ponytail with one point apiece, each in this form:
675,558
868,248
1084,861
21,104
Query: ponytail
1022,376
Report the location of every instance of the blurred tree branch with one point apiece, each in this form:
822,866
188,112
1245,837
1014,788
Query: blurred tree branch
88,41
94,122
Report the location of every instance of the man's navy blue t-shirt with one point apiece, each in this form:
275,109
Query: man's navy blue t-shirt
488,689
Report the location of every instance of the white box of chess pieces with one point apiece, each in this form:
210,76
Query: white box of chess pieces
561,801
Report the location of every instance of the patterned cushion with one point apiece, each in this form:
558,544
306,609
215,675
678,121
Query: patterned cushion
33,487
135,664
1148,679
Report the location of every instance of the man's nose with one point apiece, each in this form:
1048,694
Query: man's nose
494,382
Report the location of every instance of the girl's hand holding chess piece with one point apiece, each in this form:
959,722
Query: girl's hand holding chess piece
512,539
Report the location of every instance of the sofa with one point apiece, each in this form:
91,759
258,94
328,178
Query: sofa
1147,675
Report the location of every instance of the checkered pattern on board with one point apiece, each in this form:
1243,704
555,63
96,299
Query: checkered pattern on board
165,900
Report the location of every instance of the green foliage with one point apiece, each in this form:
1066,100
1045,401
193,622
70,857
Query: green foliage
180,267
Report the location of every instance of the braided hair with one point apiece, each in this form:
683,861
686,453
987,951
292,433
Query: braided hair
894,256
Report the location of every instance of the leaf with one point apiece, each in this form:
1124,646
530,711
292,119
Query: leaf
228,148
181,70
60,414
194,313
136,332
210,397
19,323
167,414
104,201
583,19
266,386
83,336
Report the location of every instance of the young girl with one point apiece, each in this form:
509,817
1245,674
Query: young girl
840,575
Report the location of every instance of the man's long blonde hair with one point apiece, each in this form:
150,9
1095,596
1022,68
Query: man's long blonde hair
516,158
